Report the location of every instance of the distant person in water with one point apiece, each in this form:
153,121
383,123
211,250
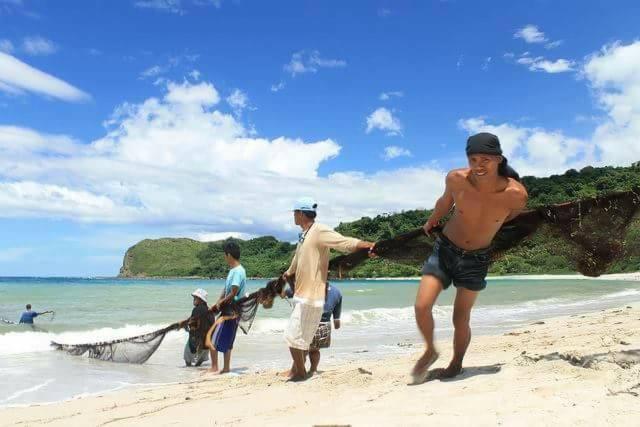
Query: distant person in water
28,316
224,333
195,352
483,196
322,337
309,267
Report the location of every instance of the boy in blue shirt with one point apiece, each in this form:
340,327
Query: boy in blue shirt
224,333
28,316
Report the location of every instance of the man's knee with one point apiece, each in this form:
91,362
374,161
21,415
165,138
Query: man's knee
423,307
461,319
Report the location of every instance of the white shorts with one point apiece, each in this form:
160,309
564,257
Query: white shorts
302,326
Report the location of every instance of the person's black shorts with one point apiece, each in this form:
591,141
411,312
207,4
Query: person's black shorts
449,263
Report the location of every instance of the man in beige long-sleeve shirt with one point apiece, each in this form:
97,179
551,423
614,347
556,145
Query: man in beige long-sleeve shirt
310,267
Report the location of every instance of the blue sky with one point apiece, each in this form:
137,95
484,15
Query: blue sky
199,118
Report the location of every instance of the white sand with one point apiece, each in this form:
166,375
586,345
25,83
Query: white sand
578,370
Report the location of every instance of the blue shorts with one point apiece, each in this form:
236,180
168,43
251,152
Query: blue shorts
224,335
449,263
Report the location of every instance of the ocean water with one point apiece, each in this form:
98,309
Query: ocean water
377,320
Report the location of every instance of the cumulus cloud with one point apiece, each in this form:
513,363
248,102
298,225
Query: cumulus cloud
176,159
37,45
614,75
309,62
384,120
18,77
393,151
535,151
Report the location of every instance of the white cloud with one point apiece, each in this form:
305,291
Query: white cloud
309,62
201,94
541,64
384,12
535,151
486,63
385,96
278,87
238,101
195,74
37,45
383,119
172,6
154,71
614,75
18,77
223,235
554,44
172,62
393,151
530,34
6,46
177,160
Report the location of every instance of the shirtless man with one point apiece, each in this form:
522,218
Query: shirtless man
484,196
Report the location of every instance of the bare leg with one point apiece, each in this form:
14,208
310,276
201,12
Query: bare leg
227,362
462,331
314,358
430,288
298,356
214,360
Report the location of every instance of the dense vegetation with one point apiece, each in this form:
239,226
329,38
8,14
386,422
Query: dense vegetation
266,256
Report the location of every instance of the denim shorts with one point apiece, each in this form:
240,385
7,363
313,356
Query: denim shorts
449,263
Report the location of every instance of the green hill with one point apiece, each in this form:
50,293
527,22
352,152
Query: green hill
267,257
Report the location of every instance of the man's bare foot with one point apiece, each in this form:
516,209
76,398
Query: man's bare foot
210,371
298,378
224,371
421,368
288,373
454,369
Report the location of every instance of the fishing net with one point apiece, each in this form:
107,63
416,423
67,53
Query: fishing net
139,349
246,307
136,349
594,227
7,321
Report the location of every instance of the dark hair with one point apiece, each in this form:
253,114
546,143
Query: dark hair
28,306
231,248
507,171
309,214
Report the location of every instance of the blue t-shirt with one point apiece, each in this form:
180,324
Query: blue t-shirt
27,317
236,277
332,305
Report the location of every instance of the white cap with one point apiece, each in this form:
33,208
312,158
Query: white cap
200,293
307,204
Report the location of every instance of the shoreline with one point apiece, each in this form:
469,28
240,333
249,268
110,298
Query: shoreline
566,370
633,276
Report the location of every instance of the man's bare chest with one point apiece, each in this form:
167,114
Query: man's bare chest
474,203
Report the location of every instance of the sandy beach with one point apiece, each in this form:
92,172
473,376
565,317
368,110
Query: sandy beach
575,370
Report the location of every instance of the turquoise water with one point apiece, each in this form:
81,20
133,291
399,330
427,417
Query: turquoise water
377,319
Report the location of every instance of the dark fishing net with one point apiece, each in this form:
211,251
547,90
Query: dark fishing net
136,349
246,307
139,349
595,227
